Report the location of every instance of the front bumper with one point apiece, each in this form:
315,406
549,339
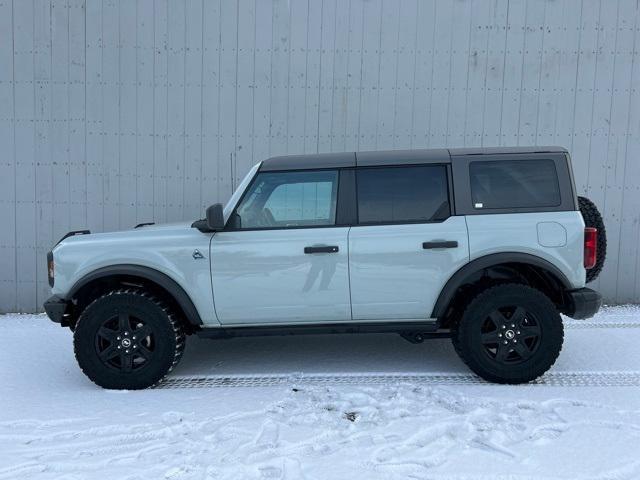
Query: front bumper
56,308
582,303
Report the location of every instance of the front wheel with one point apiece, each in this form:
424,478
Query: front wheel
509,333
128,339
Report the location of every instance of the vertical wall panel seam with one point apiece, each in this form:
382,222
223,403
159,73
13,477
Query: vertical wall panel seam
379,67
166,136
397,68
544,31
137,137
593,94
415,63
69,166
360,87
347,83
15,159
484,82
466,91
626,159
504,70
102,130
253,82
86,160
433,57
306,81
451,33
273,14
606,170
184,113
288,85
320,75
575,88
333,70
153,112
202,132
524,48
119,46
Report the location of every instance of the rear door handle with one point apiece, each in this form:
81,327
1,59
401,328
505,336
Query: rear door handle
440,244
328,249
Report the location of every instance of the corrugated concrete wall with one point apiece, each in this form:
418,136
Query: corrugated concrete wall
119,112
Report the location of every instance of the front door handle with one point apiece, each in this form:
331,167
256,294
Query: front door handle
440,244
329,249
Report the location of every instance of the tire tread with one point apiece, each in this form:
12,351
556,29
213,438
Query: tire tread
180,336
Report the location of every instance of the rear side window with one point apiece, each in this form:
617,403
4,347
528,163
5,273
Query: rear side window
402,194
514,184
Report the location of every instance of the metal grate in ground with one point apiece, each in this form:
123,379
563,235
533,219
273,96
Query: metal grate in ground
554,379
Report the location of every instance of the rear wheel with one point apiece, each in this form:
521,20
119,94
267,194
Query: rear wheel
509,333
128,339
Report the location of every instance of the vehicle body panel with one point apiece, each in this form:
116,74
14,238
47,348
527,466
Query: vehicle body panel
518,232
167,249
264,276
393,276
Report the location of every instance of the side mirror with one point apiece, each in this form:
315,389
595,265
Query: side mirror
215,218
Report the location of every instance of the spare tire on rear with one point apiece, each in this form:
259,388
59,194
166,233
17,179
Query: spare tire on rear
593,218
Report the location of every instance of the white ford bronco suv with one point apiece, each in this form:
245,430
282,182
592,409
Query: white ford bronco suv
486,246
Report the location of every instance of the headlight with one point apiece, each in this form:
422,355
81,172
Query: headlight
50,268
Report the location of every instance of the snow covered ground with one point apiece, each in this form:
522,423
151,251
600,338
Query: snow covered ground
323,407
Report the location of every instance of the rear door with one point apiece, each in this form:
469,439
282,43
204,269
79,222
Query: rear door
406,243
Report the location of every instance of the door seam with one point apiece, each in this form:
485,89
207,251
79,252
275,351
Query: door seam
349,271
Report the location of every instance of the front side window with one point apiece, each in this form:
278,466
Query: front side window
514,184
402,194
288,200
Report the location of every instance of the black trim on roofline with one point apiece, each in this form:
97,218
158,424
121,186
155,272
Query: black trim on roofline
390,157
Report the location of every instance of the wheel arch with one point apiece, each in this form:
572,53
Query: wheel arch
135,275
516,261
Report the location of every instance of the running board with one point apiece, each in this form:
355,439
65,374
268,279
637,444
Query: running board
411,331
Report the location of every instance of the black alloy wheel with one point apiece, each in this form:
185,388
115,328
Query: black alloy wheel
509,333
125,343
128,339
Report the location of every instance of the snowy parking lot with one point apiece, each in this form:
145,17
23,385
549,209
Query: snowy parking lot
323,407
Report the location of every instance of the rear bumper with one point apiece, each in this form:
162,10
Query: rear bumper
56,307
582,303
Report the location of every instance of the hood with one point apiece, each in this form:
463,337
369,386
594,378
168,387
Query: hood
133,234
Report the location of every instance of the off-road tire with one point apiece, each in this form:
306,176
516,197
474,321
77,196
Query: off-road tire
168,339
593,218
467,336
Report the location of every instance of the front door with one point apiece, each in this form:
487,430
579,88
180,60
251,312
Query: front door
406,245
282,259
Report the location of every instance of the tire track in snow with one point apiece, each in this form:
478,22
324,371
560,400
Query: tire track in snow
553,379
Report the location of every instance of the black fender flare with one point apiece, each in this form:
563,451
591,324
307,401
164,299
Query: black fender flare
458,279
164,281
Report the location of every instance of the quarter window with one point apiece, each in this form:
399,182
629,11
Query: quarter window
289,199
514,184
402,194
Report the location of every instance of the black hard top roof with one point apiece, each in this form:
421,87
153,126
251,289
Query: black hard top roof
390,157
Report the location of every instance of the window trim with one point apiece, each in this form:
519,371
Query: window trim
462,183
450,198
335,224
